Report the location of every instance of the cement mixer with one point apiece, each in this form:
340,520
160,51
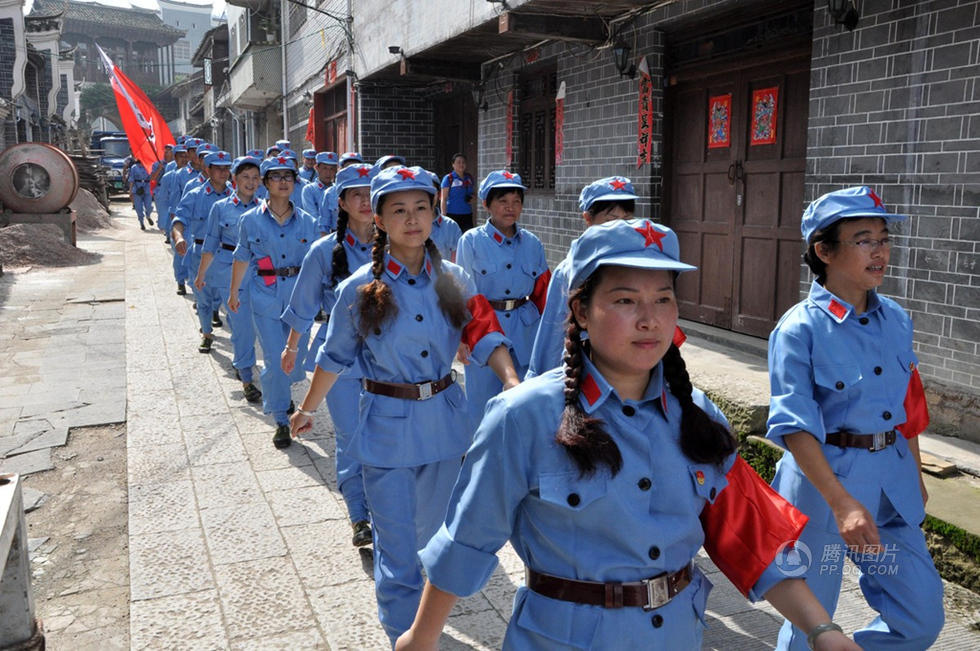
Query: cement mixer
37,184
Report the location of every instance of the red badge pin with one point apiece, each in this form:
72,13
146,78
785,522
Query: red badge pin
700,477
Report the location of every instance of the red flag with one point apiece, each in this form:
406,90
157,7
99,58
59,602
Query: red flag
146,129
311,129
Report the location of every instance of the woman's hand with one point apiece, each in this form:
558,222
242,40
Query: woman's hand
199,282
180,245
463,354
300,424
856,526
922,487
234,302
407,642
288,360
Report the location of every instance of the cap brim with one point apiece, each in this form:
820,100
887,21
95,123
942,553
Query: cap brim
615,196
887,216
654,260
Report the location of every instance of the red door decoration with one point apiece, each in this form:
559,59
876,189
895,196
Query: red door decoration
644,117
764,114
720,121
560,124
311,129
510,129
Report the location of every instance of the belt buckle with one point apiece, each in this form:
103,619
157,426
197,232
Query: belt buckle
425,390
657,592
879,441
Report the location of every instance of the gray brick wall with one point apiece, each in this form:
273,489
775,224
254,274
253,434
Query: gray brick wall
396,120
896,105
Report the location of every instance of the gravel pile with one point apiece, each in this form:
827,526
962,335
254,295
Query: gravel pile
89,213
33,245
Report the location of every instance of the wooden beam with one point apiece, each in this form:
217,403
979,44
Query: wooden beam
459,71
560,28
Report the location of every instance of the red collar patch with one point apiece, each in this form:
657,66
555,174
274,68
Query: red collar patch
350,239
498,237
651,235
663,401
394,267
406,174
837,309
207,190
428,267
590,390
235,200
617,184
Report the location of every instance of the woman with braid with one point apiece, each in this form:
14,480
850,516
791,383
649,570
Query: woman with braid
607,475
330,260
401,321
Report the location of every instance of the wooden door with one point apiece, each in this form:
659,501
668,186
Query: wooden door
455,129
736,205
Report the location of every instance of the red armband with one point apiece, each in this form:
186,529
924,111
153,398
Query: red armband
679,336
916,408
747,525
265,264
539,295
483,321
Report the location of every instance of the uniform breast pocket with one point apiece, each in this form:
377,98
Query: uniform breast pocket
482,269
570,491
531,270
708,480
836,377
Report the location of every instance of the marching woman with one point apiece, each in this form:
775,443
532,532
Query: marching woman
847,404
330,260
220,239
507,264
402,319
188,229
608,475
273,239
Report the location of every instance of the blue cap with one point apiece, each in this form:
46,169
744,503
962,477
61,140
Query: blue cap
204,147
859,201
384,160
219,158
277,163
398,179
350,156
328,157
193,143
181,139
354,176
272,148
169,145
613,188
245,160
288,153
637,243
500,179
435,178
283,144
309,153
180,149
256,153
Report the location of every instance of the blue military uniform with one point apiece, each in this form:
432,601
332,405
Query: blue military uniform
279,249
504,269
139,186
193,212
308,174
220,240
548,347
446,234
410,449
518,484
831,371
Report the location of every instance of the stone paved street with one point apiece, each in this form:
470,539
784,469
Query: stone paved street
234,544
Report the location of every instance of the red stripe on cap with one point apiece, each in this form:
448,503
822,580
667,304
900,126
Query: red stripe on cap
590,389
837,309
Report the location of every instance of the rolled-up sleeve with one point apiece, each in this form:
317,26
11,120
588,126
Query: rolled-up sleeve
491,335
185,209
492,483
339,350
792,406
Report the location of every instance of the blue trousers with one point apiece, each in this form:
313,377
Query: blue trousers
408,505
276,394
901,584
241,322
180,272
208,299
143,203
342,402
163,218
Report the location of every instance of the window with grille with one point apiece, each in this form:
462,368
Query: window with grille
536,89
297,16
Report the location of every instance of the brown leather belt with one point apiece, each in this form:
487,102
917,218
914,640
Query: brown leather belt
283,272
649,594
227,247
870,442
509,304
420,391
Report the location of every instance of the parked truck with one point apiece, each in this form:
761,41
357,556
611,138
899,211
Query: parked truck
111,148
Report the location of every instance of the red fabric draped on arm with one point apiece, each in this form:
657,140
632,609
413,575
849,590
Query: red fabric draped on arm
746,526
484,321
679,336
540,293
916,408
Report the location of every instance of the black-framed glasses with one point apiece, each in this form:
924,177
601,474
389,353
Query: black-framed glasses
870,244
276,178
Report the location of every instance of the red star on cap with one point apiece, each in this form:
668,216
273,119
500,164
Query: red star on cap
877,200
617,184
363,171
508,175
282,160
406,173
651,235
221,155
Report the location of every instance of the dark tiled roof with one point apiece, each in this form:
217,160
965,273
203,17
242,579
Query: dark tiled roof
107,18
